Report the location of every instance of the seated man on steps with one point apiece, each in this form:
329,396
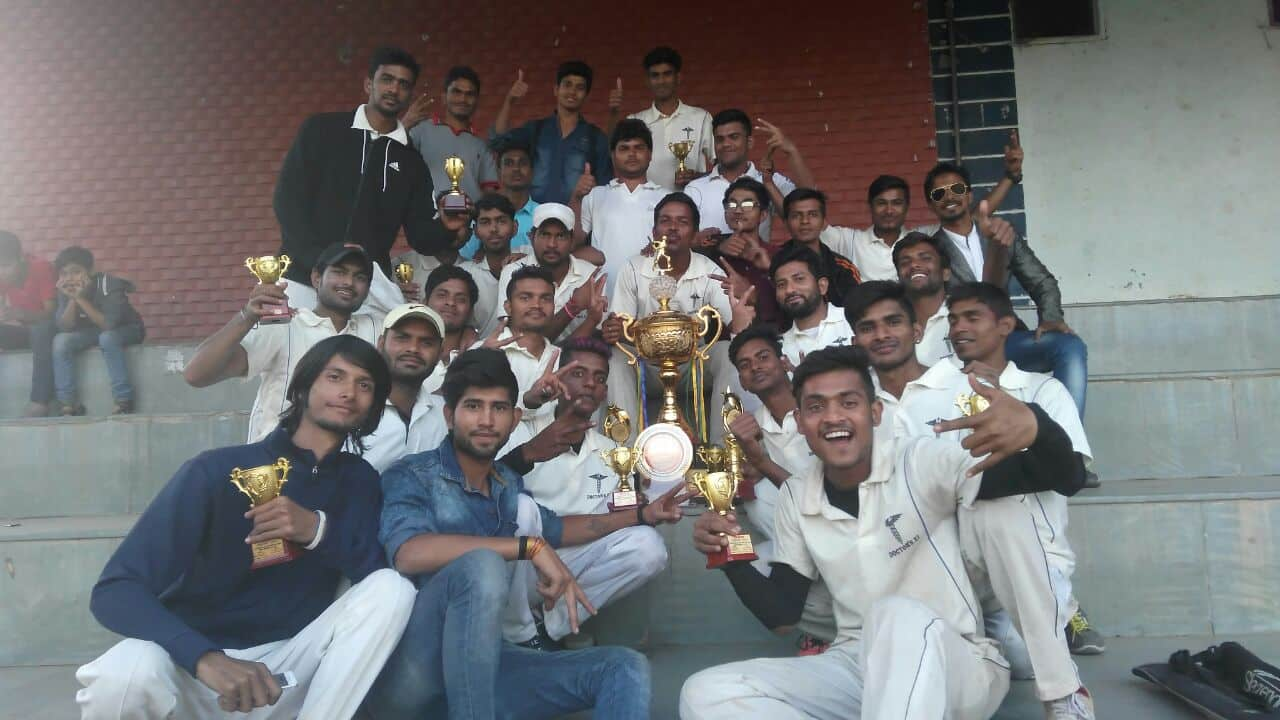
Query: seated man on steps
460,524
243,348
413,419
28,294
876,520
1005,559
207,635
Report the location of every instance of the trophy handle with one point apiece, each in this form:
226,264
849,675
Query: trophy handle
705,313
252,264
627,323
284,266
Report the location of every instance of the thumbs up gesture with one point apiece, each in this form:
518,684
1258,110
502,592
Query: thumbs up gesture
615,99
519,88
585,182
993,228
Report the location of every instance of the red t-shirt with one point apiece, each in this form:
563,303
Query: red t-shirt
37,289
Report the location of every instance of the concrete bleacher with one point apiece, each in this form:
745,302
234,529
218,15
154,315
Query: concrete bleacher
1181,539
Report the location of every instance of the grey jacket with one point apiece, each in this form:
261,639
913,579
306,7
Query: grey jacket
1023,263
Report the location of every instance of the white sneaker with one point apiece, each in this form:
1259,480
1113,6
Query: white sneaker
1076,706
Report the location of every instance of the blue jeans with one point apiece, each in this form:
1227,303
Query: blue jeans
1066,356
452,662
39,338
113,342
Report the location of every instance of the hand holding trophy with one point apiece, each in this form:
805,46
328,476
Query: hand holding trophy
261,485
454,200
269,269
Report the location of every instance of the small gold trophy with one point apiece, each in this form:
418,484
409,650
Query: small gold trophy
454,200
971,403
719,488
732,448
269,269
621,459
681,150
404,272
263,484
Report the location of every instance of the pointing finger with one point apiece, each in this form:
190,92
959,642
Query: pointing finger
1013,139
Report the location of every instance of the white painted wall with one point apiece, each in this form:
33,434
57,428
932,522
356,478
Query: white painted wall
1153,153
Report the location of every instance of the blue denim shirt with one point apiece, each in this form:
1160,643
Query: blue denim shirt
558,161
427,493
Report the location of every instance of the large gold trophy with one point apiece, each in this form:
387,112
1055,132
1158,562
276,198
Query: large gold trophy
263,484
454,200
621,459
269,269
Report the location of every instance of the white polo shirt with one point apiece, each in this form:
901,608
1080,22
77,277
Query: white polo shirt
487,298
833,330
395,438
574,483
579,273
783,441
686,123
274,351
693,290
527,368
620,221
935,345
708,192
906,416
872,256
904,541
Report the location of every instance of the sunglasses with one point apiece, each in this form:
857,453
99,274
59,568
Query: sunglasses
741,204
940,192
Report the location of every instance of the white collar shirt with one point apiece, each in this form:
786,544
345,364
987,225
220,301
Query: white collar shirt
904,542
708,192
527,368
970,247
919,407
578,274
935,343
620,221
361,122
273,352
486,304
872,256
693,289
575,483
784,443
686,123
394,438
832,330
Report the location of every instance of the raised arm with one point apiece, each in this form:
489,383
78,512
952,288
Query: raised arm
222,355
519,88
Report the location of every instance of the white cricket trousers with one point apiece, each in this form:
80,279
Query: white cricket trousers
818,617
909,665
335,660
611,567
1018,578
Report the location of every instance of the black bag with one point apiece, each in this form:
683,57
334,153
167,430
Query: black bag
1225,681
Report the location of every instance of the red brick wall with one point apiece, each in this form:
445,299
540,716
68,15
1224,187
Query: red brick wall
152,132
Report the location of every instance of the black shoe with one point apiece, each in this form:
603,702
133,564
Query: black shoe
541,641
1082,639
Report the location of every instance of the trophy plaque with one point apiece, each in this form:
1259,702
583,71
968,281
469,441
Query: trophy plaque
621,459
454,200
262,484
269,269
719,488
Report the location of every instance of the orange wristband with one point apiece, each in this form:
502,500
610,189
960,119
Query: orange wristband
535,545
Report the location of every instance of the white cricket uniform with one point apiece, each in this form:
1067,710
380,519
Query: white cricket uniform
384,294
1030,590
708,193
832,330
872,256
487,302
620,222
335,660
527,368
578,275
909,642
934,344
274,351
396,438
686,123
693,290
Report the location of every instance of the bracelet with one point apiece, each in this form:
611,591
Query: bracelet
570,311
640,517
523,553
248,317
535,546
1015,179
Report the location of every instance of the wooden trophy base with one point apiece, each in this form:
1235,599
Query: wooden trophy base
276,318
739,549
273,552
455,202
624,500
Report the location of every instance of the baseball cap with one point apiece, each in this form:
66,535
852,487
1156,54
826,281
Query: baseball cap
336,252
400,313
553,211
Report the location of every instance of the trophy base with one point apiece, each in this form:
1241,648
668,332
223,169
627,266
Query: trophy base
276,318
454,202
739,549
628,500
273,552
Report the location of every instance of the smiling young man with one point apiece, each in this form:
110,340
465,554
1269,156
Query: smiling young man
495,230
744,254
805,211
457,523
244,349
354,178
413,419
924,269
801,286
565,145
672,121
1004,556
204,632
876,520
888,199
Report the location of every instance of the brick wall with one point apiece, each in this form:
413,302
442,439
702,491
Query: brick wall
152,132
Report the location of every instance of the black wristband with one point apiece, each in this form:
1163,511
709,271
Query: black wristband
640,516
1015,179
524,547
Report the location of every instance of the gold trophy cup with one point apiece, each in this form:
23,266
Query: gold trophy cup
269,269
712,456
262,484
404,272
681,150
621,459
454,200
733,448
719,488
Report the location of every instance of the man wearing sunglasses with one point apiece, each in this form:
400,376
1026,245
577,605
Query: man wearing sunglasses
1053,346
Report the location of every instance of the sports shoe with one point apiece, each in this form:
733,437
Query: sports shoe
1076,706
810,645
1082,639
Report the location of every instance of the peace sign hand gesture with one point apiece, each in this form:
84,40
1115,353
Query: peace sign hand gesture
493,343
550,386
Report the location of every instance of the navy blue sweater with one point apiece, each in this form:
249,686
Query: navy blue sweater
181,578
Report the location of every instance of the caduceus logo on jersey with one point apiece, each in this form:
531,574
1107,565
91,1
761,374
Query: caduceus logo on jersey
891,522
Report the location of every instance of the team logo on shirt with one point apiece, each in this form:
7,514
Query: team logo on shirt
599,479
891,522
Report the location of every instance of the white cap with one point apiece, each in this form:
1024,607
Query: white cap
413,310
553,211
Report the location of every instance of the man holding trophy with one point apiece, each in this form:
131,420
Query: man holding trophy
218,616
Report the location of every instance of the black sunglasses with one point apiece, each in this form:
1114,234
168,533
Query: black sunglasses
940,192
